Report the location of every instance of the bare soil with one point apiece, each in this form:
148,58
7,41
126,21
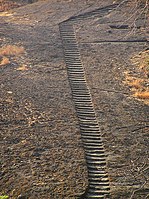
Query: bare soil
41,153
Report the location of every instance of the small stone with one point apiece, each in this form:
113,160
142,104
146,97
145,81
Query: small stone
22,197
34,173
10,92
109,31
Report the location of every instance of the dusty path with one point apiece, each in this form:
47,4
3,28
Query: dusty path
42,154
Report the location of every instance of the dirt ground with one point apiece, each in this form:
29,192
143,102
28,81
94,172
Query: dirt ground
41,153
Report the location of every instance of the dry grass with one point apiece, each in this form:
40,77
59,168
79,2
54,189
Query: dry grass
142,95
4,61
133,82
139,86
11,50
136,1
138,8
144,65
143,1
22,68
6,5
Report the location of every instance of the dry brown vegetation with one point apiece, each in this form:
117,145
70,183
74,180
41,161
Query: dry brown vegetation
9,52
136,1
139,83
4,61
142,95
140,86
6,5
139,7
22,68
144,65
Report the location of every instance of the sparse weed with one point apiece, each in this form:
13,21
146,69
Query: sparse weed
145,62
4,197
139,86
22,68
11,50
7,5
142,95
4,61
